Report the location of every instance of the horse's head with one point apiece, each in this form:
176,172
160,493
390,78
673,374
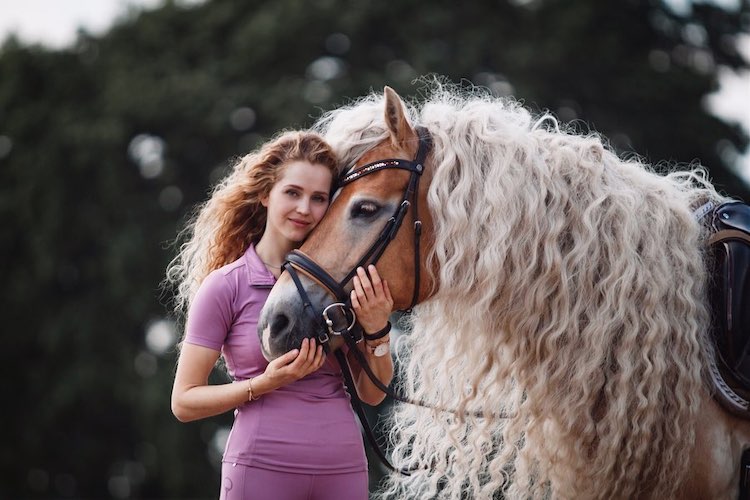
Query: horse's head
379,215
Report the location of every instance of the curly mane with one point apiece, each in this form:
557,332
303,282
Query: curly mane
571,297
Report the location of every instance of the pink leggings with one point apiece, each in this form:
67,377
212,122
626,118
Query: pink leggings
240,482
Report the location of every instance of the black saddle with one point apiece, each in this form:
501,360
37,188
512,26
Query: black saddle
729,295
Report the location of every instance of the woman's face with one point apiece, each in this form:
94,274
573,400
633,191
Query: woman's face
297,201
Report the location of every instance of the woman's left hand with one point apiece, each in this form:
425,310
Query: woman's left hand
371,299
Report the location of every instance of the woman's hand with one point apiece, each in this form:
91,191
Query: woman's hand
292,366
371,300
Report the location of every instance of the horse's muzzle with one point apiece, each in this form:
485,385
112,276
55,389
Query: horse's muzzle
284,322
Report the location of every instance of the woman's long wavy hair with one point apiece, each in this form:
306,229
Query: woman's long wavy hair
233,217
571,298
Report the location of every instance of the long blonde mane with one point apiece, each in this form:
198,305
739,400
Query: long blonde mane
571,297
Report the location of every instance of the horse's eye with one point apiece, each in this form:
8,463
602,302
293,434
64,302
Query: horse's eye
364,209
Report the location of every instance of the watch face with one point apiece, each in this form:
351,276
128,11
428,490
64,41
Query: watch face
381,350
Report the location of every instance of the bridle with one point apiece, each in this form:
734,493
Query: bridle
298,262
340,312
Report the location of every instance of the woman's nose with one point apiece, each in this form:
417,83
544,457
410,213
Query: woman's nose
303,206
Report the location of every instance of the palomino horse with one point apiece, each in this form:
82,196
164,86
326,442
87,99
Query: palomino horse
560,292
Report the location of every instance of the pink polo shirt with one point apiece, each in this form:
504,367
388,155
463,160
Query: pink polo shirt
307,426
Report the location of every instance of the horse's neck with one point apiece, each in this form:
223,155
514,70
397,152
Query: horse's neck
715,460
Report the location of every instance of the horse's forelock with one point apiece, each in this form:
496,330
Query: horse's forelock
353,129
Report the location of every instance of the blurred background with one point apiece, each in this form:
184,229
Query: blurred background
113,128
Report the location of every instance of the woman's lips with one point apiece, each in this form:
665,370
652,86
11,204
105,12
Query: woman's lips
299,223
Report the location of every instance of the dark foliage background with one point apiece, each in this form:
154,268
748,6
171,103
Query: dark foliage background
107,145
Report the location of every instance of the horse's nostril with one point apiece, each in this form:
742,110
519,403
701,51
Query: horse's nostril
279,323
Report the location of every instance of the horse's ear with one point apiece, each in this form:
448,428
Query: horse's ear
395,118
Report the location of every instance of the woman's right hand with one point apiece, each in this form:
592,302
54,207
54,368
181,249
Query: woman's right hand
292,366
193,398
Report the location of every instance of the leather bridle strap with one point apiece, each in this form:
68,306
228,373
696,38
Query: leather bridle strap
298,261
357,405
356,402
323,337
409,199
362,361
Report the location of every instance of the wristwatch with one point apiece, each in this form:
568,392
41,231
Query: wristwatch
381,349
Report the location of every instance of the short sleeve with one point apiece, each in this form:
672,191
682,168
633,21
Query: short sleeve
210,316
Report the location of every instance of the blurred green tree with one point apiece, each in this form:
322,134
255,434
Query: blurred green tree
105,147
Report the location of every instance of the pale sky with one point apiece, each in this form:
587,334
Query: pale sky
55,23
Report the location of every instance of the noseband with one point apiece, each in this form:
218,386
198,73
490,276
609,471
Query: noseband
341,312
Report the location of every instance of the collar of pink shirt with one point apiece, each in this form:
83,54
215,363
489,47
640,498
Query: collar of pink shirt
257,273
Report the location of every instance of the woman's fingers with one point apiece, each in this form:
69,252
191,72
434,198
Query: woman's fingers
313,359
365,284
355,300
377,283
371,299
320,358
368,285
296,363
307,354
358,289
285,358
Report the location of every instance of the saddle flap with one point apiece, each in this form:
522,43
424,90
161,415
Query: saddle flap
730,289
732,215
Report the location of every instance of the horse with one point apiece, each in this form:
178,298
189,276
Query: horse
558,294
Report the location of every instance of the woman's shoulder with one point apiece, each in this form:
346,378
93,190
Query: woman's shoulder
224,279
227,274
239,265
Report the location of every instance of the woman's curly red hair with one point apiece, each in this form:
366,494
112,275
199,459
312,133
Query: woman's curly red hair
234,217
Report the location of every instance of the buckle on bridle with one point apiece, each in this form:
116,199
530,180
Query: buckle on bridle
329,321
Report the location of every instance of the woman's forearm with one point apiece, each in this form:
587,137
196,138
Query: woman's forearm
382,368
202,401
192,396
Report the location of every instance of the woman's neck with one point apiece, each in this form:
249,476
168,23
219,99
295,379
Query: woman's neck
273,253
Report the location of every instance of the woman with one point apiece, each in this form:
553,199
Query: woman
294,436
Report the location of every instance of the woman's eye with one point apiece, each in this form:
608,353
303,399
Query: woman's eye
364,209
291,192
